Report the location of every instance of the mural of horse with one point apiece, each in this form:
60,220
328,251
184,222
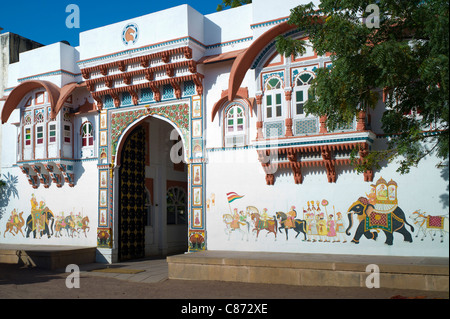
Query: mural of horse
270,225
232,225
299,225
85,225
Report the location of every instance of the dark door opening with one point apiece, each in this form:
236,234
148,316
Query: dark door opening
132,199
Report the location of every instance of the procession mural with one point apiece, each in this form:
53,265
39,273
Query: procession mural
370,216
430,225
42,222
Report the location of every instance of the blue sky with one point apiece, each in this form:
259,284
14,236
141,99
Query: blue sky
44,21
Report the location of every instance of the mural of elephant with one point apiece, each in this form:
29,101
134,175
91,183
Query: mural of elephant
31,224
393,221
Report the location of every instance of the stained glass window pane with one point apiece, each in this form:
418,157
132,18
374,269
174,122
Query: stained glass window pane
305,78
278,98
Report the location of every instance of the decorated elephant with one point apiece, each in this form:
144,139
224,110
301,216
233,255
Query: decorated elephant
372,219
40,222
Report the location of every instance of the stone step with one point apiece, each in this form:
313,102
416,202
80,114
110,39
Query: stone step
48,257
418,273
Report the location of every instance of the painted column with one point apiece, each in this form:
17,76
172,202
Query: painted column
105,190
259,123
288,121
196,177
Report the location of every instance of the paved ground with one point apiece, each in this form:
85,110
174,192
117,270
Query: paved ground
18,282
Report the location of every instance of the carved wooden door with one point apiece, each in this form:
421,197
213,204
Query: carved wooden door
132,210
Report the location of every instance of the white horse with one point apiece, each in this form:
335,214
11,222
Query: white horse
421,220
233,225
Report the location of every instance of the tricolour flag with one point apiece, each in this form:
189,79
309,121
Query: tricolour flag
232,196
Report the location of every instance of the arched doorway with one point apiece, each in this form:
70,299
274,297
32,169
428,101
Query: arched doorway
132,198
152,192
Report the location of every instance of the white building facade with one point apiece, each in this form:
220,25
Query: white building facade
177,131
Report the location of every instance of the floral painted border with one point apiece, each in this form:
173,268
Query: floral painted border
176,113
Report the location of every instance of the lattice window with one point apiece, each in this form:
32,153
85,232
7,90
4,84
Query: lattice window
126,98
189,88
146,95
167,91
306,126
274,129
109,101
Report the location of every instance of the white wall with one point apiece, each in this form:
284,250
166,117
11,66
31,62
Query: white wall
424,189
154,28
81,199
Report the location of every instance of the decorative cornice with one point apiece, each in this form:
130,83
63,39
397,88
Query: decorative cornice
296,162
153,85
50,73
141,49
143,60
268,23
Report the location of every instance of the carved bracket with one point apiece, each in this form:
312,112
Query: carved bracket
134,96
41,174
32,179
68,177
329,163
306,156
363,152
156,92
116,99
122,66
176,88
56,178
198,85
295,165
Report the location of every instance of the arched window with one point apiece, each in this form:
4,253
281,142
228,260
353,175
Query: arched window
87,134
302,85
235,125
176,206
303,125
273,98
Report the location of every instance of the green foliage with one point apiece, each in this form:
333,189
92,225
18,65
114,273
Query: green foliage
406,57
232,4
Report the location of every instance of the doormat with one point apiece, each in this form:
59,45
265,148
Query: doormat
119,270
